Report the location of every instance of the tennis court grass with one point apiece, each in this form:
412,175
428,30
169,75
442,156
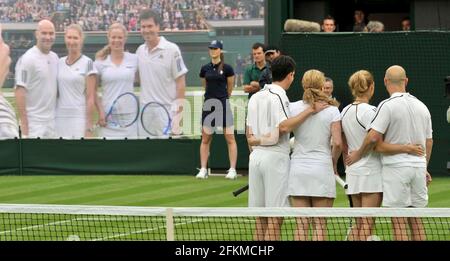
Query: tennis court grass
155,191
121,190
152,191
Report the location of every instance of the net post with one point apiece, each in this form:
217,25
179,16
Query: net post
170,229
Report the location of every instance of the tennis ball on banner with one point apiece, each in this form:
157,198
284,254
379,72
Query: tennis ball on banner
73,238
291,143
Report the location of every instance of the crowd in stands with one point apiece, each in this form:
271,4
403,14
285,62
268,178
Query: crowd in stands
362,24
25,10
95,15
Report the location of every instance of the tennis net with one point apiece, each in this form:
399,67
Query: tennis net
103,223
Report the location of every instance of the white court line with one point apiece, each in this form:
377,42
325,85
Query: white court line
36,226
58,223
93,219
142,231
128,234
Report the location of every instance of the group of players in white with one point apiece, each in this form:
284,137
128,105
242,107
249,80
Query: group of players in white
57,97
386,150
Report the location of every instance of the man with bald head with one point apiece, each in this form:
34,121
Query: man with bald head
36,88
401,119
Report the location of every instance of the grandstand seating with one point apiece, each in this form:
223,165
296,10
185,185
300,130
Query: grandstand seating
97,15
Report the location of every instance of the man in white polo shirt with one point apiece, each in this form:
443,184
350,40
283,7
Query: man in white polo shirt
161,69
402,119
36,85
268,128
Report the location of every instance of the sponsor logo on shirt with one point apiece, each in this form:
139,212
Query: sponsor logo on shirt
179,65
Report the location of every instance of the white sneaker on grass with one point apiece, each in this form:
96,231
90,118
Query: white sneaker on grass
202,174
232,174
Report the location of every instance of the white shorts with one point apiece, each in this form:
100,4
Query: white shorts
364,180
404,187
8,131
268,175
70,127
41,129
311,179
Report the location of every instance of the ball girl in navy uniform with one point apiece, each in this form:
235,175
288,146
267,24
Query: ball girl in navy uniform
218,80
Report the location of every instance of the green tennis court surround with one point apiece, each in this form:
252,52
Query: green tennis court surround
98,156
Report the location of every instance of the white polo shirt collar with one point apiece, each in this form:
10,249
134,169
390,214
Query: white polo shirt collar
396,94
276,88
161,45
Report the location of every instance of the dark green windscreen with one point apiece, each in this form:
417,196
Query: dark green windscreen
424,55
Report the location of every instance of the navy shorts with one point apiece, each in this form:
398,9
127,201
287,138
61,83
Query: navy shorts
217,113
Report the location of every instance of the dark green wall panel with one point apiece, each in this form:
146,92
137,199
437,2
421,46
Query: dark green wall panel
424,55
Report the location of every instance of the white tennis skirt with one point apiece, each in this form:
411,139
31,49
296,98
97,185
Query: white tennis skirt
364,180
311,179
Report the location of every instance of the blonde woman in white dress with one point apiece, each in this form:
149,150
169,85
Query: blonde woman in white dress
117,71
75,103
313,162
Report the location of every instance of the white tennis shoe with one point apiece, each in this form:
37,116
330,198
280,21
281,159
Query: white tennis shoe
202,174
232,174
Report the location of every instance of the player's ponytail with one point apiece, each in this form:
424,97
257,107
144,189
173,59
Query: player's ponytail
222,62
313,82
103,53
360,83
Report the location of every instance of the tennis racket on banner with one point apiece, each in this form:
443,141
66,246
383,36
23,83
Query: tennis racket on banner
124,111
156,120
